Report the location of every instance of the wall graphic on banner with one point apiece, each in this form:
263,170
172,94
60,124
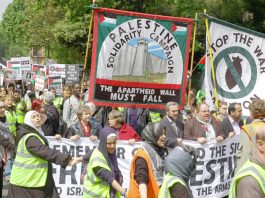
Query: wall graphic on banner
138,59
239,63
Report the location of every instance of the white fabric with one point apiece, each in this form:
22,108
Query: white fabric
235,126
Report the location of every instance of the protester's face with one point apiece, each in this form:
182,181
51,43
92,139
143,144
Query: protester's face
223,109
2,92
111,144
113,122
85,116
77,89
237,113
16,96
173,112
204,113
9,102
67,93
162,139
36,120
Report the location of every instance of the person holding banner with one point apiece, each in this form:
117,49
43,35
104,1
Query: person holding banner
203,127
174,126
179,165
104,178
124,131
86,126
147,167
31,174
250,179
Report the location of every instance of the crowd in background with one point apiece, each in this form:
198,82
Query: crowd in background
70,115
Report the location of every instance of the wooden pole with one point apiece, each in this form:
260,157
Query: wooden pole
87,46
192,56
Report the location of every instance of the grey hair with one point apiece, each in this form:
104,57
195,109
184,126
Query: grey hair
92,107
170,104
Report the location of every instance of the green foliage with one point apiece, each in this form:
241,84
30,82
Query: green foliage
61,26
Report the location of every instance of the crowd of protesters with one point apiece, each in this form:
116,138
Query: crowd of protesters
160,168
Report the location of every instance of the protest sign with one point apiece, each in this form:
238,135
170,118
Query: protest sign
55,82
57,70
239,64
212,178
138,60
25,62
27,75
16,67
39,82
39,69
71,74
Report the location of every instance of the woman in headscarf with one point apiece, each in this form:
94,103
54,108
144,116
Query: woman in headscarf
104,177
31,174
179,165
147,168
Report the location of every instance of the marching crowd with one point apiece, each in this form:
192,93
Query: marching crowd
162,166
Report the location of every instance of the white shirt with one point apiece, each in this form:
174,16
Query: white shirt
235,126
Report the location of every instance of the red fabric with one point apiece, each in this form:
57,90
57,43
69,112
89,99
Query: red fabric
36,105
126,132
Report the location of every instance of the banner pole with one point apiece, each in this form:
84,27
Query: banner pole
211,58
87,46
192,56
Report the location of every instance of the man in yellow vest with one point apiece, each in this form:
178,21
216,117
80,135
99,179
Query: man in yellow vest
257,112
250,179
20,107
178,172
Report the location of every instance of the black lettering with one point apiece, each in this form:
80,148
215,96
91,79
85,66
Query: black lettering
120,153
211,171
222,161
147,24
64,173
170,70
112,37
139,23
65,150
193,181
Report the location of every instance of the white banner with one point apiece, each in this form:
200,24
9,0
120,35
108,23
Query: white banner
215,168
212,177
239,64
57,70
24,61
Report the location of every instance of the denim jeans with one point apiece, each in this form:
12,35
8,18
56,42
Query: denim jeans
9,163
